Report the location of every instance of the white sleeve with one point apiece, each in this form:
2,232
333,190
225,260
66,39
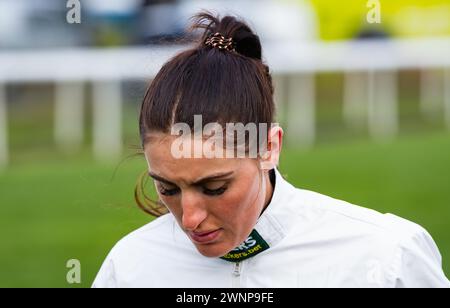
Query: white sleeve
106,277
418,263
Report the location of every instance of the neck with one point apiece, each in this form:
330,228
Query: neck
269,191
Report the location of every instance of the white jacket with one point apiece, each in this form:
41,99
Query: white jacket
315,241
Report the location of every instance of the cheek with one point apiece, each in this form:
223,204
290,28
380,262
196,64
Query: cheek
172,204
238,204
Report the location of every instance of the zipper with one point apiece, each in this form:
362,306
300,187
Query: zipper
236,279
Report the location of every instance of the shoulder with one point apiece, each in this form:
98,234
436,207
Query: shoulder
404,250
352,217
140,250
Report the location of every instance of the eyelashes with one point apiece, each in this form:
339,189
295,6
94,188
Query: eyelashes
209,192
168,192
215,192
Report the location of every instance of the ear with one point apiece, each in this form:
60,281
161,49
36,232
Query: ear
271,157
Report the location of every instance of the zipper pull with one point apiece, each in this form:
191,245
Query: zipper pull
237,269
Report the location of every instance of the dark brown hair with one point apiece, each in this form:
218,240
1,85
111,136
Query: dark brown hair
221,85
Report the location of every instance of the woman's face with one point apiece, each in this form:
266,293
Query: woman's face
215,201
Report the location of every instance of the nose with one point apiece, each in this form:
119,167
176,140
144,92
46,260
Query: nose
194,213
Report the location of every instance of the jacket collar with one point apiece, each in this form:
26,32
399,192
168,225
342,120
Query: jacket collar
280,214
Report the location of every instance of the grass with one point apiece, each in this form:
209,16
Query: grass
55,210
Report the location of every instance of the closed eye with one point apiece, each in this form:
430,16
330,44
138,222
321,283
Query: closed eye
215,192
210,192
168,192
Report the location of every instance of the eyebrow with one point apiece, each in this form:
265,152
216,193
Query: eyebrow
198,182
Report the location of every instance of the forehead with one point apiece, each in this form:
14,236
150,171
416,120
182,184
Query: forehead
161,161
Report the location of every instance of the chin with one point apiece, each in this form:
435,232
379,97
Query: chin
212,250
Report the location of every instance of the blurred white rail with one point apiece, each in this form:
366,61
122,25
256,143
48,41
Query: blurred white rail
3,128
371,65
69,120
294,58
447,97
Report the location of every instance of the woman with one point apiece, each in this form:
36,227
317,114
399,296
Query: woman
235,221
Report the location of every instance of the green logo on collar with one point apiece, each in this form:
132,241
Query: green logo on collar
252,246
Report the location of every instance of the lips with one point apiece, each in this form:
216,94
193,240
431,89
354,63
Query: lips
205,237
